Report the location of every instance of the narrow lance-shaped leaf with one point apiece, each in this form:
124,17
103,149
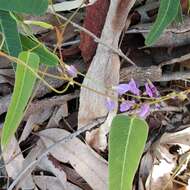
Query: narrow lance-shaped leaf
179,16
9,28
46,57
36,7
166,14
126,143
24,84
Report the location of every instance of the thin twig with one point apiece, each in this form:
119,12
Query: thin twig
176,60
175,76
62,140
172,30
98,40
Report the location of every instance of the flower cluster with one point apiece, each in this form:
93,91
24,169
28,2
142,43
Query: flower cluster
129,105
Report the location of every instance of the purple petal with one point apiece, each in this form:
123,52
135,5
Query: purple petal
122,88
157,106
72,71
154,89
144,111
148,90
126,105
110,104
133,87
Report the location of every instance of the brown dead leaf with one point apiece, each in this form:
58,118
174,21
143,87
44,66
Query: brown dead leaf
58,114
94,22
180,137
46,164
52,183
47,182
4,103
84,160
35,119
14,161
156,167
185,5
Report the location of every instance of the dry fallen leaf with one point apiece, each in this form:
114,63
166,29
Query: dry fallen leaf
180,137
47,182
35,119
52,183
84,160
68,5
4,103
94,22
47,164
166,163
14,161
58,114
159,175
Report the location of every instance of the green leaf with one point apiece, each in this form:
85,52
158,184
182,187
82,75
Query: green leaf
23,88
127,139
12,39
166,14
46,57
36,7
179,16
39,23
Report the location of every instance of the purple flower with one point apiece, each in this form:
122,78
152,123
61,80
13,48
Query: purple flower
110,104
126,105
148,90
122,88
151,89
72,71
133,87
144,111
157,106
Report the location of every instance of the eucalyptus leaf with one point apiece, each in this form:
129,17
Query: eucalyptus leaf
39,23
36,7
127,139
24,84
166,14
179,16
46,57
10,32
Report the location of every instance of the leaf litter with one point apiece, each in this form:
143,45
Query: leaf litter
81,163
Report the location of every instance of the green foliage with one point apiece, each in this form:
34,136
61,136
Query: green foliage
36,7
39,23
24,84
179,16
127,139
46,57
10,32
166,14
